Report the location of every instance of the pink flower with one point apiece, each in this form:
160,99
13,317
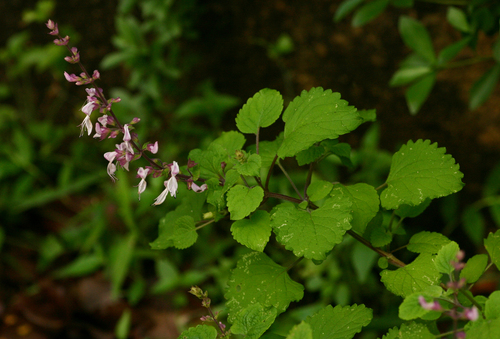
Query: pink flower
53,27
142,173
471,313
431,306
86,125
110,156
197,188
153,148
171,185
75,56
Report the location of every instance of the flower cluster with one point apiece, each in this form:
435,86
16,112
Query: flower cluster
108,126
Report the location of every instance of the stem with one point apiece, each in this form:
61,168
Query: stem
219,325
266,187
381,186
290,180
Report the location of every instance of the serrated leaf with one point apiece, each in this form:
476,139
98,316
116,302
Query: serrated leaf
314,116
180,234
407,211
457,18
409,331
487,329
242,200
416,37
492,245
319,189
417,93
261,110
427,242
420,171
406,75
199,332
312,234
230,142
300,331
414,277
253,321
482,88
474,268
258,279
410,308
251,167
339,322
368,12
365,204
445,256
492,306
253,233
345,8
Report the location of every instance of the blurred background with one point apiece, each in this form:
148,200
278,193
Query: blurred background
75,260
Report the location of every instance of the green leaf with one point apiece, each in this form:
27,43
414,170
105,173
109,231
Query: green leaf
414,277
339,322
319,189
487,329
402,3
314,116
123,325
420,171
406,75
492,245
409,331
300,331
449,52
427,242
312,234
119,262
473,224
83,265
269,149
457,18
407,211
180,234
309,155
445,256
258,279
416,37
369,12
342,150
242,200
345,8
253,233
261,110
417,93
253,321
492,306
474,268
251,167
230,142
365,204
363,259
410,308
482,88
199,332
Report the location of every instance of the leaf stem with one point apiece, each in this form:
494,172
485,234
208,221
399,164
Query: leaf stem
290,180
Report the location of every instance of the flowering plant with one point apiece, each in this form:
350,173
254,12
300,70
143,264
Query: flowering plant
236,185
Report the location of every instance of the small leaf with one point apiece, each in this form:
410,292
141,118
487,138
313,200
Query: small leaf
457,18
492,245
482,88
83,265
251,167
313,233
309,155
406,75
180,234
342,150
319,189
199,332
492,306
365,204
368,12
345,8
474,268
488,329
410,308
445,256
427,242
242,200
407,211
258,279
253,233
300,331
449,52
416,37
417,93
339,322
414,277
409,331
253,321
420,171
314,116
261,110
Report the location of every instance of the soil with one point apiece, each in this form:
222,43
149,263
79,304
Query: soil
357,62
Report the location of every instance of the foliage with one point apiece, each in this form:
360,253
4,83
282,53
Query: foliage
419,70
